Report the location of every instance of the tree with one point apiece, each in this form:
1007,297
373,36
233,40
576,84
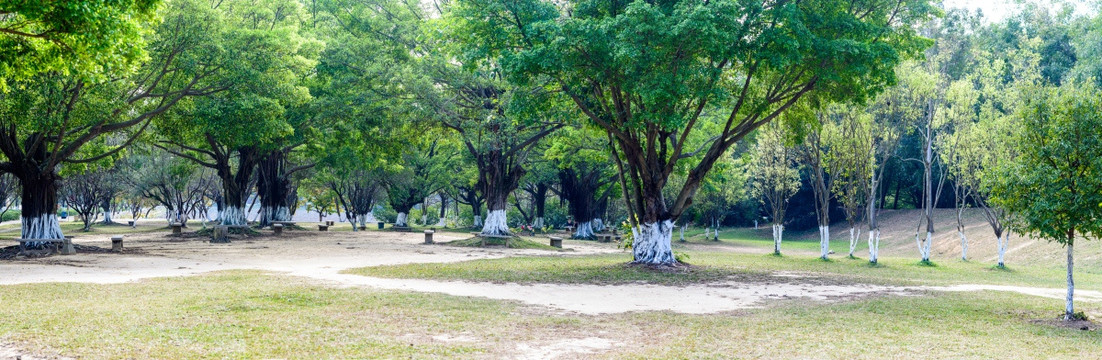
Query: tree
1054,184
58,113
424,163
775,177
581,157
646,72
89,39
86,191
850,162
175,183
233,133
813,153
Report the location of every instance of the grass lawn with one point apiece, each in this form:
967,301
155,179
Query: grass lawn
251,315
717,266
76,229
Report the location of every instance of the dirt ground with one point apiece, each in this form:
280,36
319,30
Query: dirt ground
323,256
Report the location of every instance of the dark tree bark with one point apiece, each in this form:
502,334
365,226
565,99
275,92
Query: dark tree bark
275,186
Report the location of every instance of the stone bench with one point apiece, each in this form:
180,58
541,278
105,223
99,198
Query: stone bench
177,228
556,242
116,243
323,227
284,223
428,236
277,229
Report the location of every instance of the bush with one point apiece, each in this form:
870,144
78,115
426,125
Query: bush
9,215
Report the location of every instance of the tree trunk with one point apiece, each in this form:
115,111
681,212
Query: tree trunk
874,246
652,245
235,186
854,234
778,234
496,222
274,189
402,219
441,222
1069,309
39,207
106,207
1003,242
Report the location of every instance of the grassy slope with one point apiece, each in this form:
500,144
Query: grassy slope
251,315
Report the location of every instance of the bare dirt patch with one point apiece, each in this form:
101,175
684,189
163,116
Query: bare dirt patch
12,351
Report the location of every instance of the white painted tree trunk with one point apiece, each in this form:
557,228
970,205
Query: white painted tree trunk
708,232
598,225
824,241
107,217
651,244
232,215
874,246
477,221
1003,243
778,234
854,234
44,226
963,246
496,224
268,214
924,247
682,230
424,219
402,220
538,224
584,231
1069,309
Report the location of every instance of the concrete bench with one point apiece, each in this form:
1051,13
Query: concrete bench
284,223
116,243
556,242
323,227
277,229
428,236
177,228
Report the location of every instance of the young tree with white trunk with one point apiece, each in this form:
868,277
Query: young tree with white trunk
653,74
84,190
774,175
1052,185
812,153
848,134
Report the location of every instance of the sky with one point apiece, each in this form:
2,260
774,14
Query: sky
995,10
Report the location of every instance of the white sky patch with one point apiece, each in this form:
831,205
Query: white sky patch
997,10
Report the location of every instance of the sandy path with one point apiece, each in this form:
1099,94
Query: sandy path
307,254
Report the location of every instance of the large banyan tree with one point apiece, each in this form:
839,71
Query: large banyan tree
235,132
55,114
651,73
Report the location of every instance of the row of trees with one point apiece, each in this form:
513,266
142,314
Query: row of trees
645,107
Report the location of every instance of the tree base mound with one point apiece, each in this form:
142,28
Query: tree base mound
515,242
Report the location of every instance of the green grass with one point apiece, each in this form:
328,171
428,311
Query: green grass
250,315
716,266
514,243
76,229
